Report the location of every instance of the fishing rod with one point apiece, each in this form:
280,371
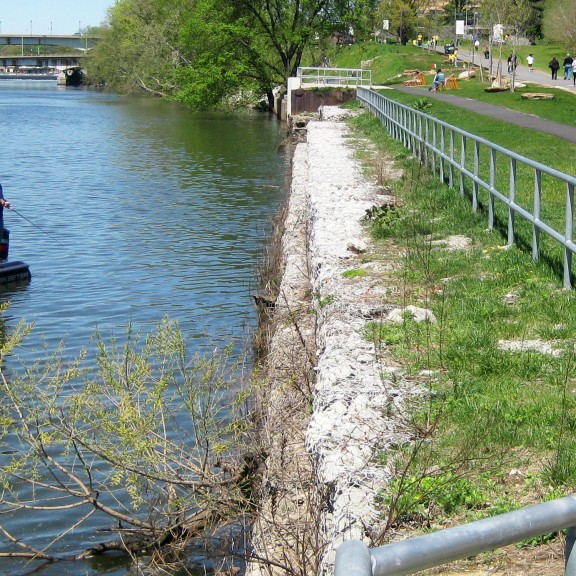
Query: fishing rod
35,225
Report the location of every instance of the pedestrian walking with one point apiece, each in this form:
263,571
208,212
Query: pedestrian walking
510,64
554,66
574,72
567,63
530,62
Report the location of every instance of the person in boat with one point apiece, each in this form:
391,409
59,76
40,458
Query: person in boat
3,204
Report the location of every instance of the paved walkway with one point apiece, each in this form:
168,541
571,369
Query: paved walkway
523,75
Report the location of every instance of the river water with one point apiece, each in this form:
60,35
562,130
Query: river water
131,209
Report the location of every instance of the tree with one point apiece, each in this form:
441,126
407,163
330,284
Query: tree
458,9
559,23
200,52
142,435
140,50
534,28
514,16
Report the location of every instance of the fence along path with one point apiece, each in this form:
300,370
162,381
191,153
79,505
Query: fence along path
489,173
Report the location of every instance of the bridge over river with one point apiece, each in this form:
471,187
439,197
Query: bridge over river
43,51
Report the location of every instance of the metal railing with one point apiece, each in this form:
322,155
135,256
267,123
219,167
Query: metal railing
475,165
321,76
354,558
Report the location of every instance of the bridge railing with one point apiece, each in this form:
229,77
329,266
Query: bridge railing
354,558
488,173
334,76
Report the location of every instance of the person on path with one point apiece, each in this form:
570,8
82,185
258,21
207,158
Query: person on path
567,63
554,66
439,79
530,62
510,64
574,72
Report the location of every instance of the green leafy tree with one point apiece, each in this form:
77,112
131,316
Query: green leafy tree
200,52
402,15
534,30
559,23
140,50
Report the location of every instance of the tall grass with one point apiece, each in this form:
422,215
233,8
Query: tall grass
488,410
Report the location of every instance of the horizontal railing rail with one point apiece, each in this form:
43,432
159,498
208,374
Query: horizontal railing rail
334,76
354,558
475,164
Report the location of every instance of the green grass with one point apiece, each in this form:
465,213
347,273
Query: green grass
487,410
559,109
389,60
543,52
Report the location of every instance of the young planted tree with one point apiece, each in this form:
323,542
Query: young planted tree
514,16
150,440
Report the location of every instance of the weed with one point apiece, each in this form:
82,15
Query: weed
355,273
422,104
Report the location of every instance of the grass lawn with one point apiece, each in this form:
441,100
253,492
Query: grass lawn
542,148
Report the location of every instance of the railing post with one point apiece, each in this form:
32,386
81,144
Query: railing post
492,187
537,204
475,186
569,558
434,147
462,162
442,147
569,235
511,200
353,559
451,164
425,142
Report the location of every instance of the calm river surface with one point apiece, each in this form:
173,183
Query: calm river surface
145,210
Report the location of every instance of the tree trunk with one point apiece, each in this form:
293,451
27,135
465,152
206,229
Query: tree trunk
270,97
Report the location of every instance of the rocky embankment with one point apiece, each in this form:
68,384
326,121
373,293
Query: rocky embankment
334,402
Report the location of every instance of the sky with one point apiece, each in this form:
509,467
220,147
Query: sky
51,16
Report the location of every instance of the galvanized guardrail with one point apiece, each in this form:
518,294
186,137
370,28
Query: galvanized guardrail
334,76
455,155
354,558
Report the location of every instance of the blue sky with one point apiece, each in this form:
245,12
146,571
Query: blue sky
56,16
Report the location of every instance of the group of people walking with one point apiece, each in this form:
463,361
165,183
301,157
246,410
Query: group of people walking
569,66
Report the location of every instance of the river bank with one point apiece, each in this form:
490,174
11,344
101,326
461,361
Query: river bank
334,403
340,409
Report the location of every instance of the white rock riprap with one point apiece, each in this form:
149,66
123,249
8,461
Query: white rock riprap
356,408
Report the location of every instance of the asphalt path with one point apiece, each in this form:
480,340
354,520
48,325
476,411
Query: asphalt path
524,76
